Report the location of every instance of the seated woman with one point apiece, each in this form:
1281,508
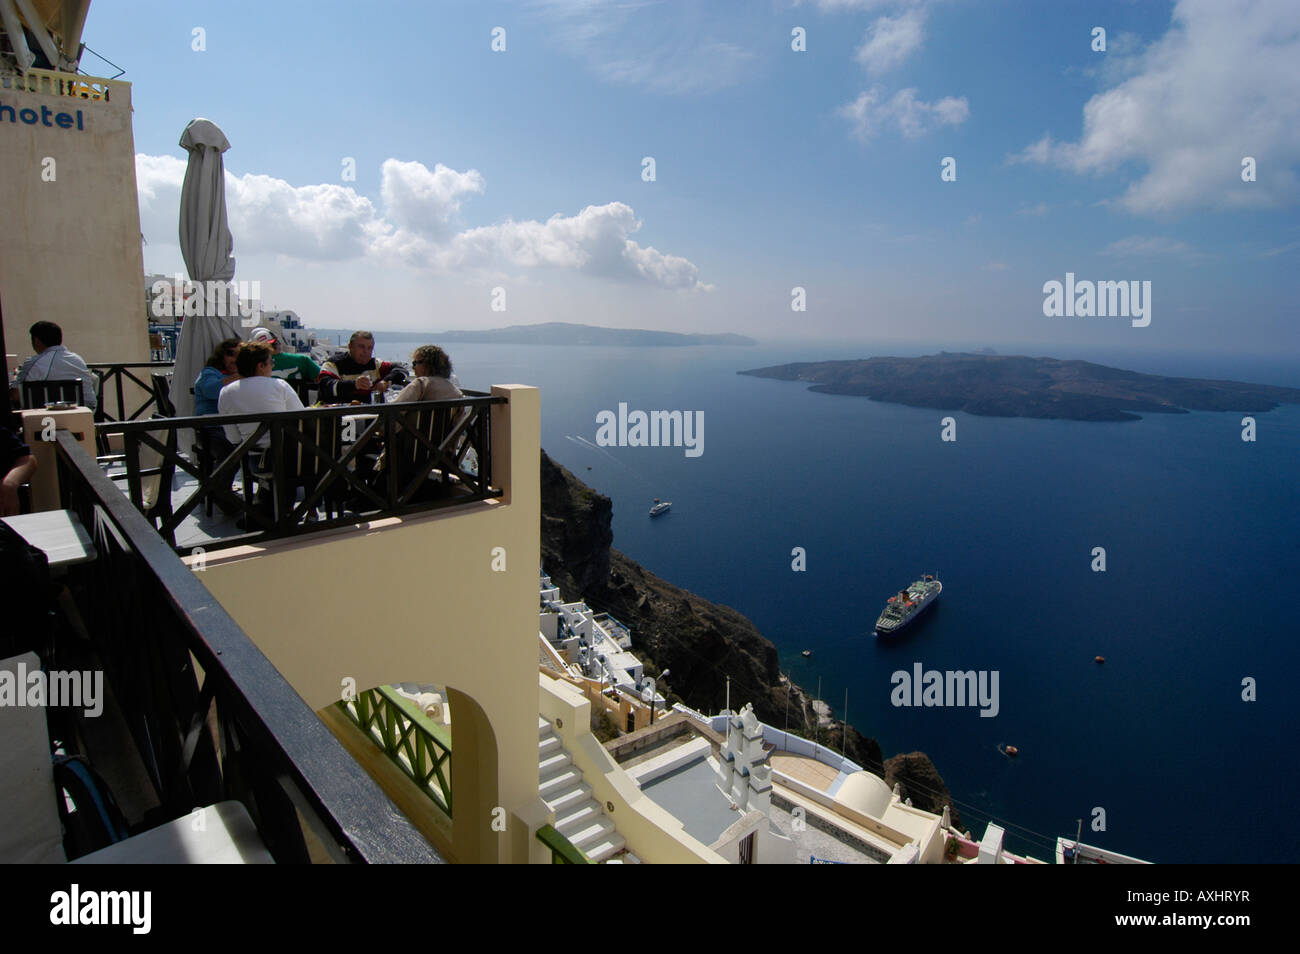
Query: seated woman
433,377
256,391
433,382
216,374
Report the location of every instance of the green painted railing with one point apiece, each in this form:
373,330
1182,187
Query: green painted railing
415,743
562,850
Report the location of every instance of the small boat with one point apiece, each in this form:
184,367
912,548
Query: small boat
660,506
806,653
1010,751
1101,659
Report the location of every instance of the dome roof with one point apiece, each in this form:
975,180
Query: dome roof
865,793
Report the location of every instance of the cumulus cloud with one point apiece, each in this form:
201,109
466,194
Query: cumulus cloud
871,112
891,40
1220,85
416,226
422,201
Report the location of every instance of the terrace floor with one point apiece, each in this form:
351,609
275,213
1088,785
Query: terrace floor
197,529
815,774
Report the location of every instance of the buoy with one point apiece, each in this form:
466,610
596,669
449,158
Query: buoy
1101,659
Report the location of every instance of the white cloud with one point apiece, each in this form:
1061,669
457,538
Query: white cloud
424,201
1280,250
838,6
637,43
1144,246
996,267
891,40
1042,208
1220,85
334,223
871,112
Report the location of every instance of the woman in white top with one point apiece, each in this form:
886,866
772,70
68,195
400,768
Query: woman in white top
256,391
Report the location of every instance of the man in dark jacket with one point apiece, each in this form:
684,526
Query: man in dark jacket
355,375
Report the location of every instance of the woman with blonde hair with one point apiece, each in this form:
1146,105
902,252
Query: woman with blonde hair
432,367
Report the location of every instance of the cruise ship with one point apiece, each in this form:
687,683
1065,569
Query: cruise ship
902,609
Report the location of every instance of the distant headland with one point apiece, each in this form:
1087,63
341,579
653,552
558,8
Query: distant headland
566,333
1016,386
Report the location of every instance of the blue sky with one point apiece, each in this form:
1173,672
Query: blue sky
522,169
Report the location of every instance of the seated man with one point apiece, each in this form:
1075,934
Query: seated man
17,465
53,362
288,367
355,375
256,391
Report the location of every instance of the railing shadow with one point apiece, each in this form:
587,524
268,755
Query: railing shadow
173,656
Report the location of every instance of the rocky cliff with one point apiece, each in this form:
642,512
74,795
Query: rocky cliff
701,642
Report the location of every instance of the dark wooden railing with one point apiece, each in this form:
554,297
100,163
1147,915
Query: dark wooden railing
333,455
150,616
113,401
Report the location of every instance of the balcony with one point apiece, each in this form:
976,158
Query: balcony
195,713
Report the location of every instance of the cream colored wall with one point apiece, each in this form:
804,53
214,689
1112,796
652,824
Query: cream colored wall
652,834
70,248
417,600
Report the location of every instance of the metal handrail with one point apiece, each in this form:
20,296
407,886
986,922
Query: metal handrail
152,614
563,851
398,727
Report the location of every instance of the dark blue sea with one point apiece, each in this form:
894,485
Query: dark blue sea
1200,591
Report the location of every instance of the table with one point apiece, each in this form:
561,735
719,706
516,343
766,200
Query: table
56,532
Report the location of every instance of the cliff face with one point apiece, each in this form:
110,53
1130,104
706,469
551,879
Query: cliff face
701,642
920,782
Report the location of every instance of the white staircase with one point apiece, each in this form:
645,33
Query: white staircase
578,816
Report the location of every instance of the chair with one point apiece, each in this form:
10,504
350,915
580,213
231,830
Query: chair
209,442
308,391
162,394
418,451
302,467
37,394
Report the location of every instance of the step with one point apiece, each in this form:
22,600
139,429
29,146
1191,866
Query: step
560,782
606,848
593,833
543,727
549,745
580,817
552,765
566,800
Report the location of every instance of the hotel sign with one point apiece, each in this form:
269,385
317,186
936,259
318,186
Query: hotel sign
31,117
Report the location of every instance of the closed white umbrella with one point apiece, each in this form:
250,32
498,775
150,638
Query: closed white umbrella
206,246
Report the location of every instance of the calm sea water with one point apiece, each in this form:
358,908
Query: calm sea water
1202,552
